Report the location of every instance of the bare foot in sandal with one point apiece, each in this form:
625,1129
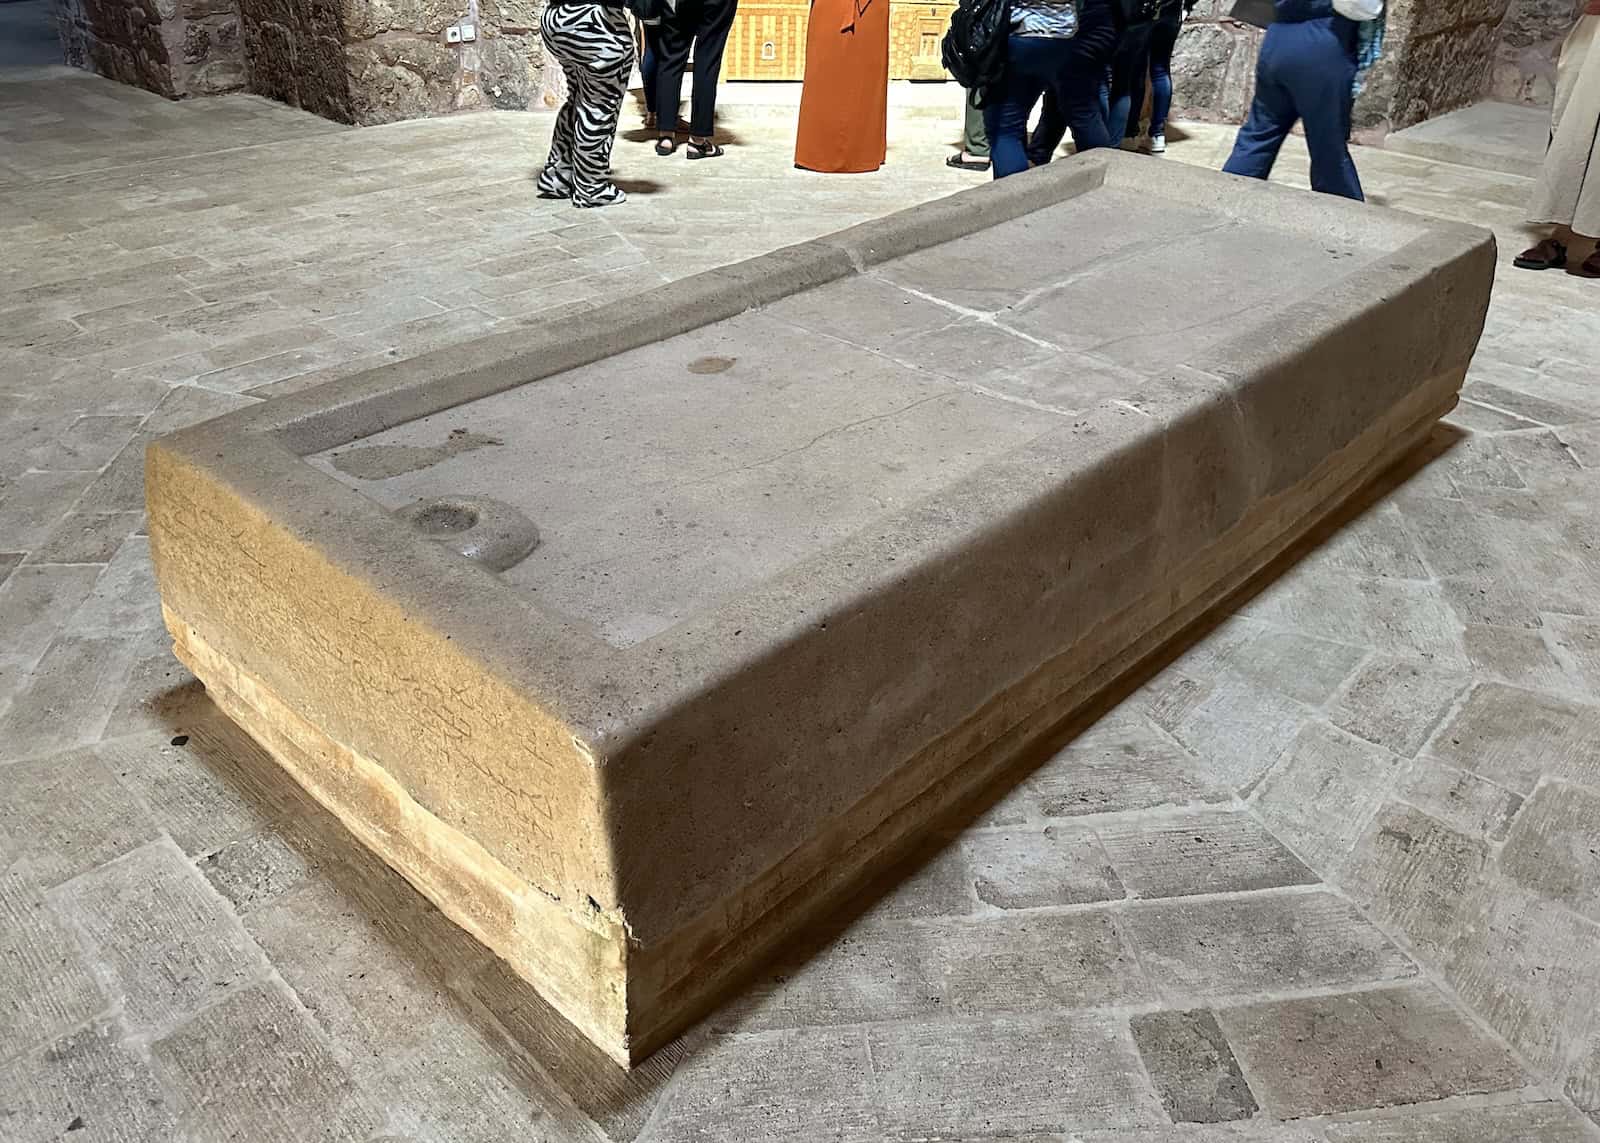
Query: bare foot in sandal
704,149
1548,254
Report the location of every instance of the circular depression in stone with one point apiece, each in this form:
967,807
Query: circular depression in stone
490,532
443,516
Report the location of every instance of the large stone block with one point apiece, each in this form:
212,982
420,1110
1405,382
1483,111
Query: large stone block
400,79
792,597
1329,1054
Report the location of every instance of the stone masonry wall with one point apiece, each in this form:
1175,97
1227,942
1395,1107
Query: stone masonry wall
1214,65
175,48
377,61
1440,56
1530,41
294,52
353,61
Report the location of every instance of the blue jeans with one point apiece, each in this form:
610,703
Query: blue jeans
1304,72
1129,66
1162,40
1070,69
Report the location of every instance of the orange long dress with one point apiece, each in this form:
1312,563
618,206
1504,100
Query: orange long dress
844,105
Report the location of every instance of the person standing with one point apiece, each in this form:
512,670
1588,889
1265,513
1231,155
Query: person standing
1061,46
594,46
649,58
1163,38
844,101
1130,65
974,153
1567,193
1305,72
700,27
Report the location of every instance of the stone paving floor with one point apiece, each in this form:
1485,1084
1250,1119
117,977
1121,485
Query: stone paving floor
1328,875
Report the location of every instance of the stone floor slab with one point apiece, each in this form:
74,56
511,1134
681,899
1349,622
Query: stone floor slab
1193,1068
1199,853
1123,763
1321,796
1365,1049
1397,704
1526,963
1554,848
68,697
1418,876
89,1085
1195,950
1028,867
1546,1122
47,987
66,814
1513,737
162,941
783,1087
1473,805
254,1066
1009,1076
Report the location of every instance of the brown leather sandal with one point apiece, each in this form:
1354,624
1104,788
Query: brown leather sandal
1547,255
1590,267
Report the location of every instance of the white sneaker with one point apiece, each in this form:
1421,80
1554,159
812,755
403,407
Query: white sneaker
1158,144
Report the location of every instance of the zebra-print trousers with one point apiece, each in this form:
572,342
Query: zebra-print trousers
595,49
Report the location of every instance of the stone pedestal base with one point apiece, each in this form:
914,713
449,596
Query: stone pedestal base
825,540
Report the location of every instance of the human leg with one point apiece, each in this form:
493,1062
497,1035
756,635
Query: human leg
711,38
1272,116
595,50
1048,134
1320,81
1005,119
674,39
974,141
555,178
1129,66
1162,40
648,71
1077,85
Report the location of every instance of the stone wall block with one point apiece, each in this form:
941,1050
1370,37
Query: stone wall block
508,70
432,17
400,79
176,48
1443,72
325,88
1200,65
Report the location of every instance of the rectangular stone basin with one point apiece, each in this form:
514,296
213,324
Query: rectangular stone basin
825,540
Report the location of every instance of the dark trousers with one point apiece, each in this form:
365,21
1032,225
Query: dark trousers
650,65
1068,74
700,25
1068,68
1304,73
1097,23
1129,67
1163,39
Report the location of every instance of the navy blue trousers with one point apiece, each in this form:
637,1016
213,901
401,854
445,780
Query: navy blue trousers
1304,73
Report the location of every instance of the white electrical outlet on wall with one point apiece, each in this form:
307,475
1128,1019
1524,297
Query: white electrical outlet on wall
469,32
452,34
